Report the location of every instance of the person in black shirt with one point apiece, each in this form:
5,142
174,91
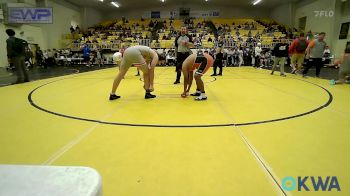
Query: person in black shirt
39,57
219,57
72,30
280,52
250,54
16,55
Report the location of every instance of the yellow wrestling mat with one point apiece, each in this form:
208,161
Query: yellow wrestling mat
253,131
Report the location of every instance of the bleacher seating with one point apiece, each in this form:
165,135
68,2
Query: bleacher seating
115,34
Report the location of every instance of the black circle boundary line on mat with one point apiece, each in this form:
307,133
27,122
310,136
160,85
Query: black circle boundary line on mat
211,81
330,99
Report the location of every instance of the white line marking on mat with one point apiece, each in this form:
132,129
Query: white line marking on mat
80,137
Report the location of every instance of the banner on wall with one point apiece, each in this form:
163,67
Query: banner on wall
176,14
17,15
162,14
204,14
155,14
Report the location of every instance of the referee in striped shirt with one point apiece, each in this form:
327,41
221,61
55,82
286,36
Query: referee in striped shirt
183,43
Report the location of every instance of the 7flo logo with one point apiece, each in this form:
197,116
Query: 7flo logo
311,183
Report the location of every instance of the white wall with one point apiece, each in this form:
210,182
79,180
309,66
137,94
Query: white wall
316,23
342,16
283,14
46,35
330,25
62,17
33,34
91,17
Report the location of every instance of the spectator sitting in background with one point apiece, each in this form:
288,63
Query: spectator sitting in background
39,57
28,57
77,29
309,36
72,29
230,57
238,33
250,33
327,52
51,57
46,59
197,42
327,55
170,58
151,24
56,53
162,58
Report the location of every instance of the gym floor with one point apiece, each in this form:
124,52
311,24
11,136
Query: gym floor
254,130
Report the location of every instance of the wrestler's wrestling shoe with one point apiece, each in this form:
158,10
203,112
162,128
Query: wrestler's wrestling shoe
200,98
149,96
113,97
